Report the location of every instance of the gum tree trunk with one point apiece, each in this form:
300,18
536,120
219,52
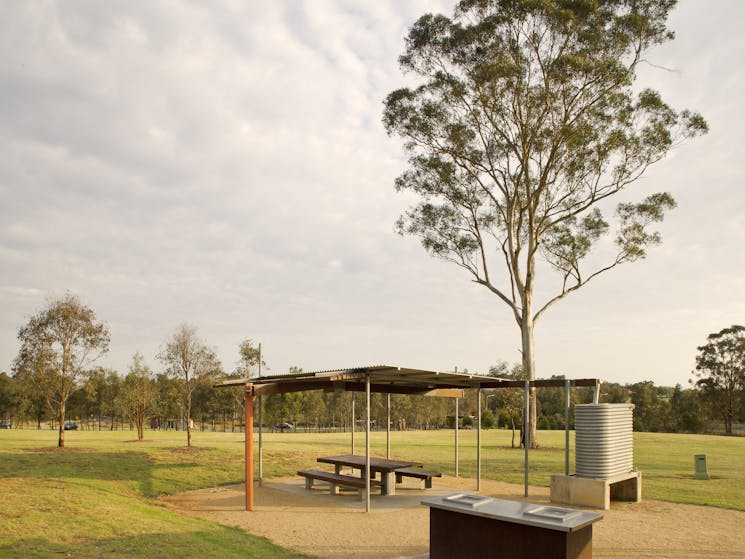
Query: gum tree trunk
528,344
188,421
61,421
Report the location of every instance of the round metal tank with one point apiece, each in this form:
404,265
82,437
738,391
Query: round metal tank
604,444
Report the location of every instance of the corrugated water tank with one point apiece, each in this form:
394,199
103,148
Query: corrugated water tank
604,444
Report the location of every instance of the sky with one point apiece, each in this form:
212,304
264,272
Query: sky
224,164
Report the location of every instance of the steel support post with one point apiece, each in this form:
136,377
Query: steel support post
526,433
567,386
367,443
388,428
457,422
249,447
478,441
261,448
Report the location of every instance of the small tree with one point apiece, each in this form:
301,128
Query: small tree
8,397
524,126
57,346
313,408
685,406
138,393
511,400
282,408
103,395
250,365
32,401
192,362
168,398
251,362
720,366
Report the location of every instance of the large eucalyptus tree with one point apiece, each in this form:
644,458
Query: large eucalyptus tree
523,124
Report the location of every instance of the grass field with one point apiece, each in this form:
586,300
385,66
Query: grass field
97,497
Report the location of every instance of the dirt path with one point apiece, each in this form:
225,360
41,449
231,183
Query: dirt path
336,527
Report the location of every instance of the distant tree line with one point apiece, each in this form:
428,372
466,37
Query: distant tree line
109,400
53,381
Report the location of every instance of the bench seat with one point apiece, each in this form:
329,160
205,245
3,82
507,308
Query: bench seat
417,473
336,480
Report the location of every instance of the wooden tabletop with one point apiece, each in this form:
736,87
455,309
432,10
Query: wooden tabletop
376,464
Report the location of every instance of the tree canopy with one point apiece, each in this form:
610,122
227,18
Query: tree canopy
720,368
57,345
250,362
524,123
187,358
138,394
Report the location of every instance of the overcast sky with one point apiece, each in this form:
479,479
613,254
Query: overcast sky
224,164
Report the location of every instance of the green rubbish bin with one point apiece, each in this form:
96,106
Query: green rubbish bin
700,471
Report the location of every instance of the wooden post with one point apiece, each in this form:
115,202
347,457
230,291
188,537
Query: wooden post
249,447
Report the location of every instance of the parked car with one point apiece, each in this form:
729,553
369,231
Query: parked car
70,426
6,424
286,426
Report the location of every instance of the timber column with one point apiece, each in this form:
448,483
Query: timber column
249,447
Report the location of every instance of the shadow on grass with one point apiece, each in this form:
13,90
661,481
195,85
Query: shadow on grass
219,543
84,464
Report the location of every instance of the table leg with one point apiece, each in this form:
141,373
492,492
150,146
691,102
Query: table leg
389,483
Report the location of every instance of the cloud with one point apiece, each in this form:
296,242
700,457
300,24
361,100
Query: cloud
224,164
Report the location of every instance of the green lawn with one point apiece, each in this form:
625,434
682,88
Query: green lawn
666,460
96,498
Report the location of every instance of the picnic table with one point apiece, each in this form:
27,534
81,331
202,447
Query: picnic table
386,467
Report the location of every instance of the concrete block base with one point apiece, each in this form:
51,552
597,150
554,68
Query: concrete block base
596,492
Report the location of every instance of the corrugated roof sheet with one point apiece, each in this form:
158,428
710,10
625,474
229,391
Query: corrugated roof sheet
394,377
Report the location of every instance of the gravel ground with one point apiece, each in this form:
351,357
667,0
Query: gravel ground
336,526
